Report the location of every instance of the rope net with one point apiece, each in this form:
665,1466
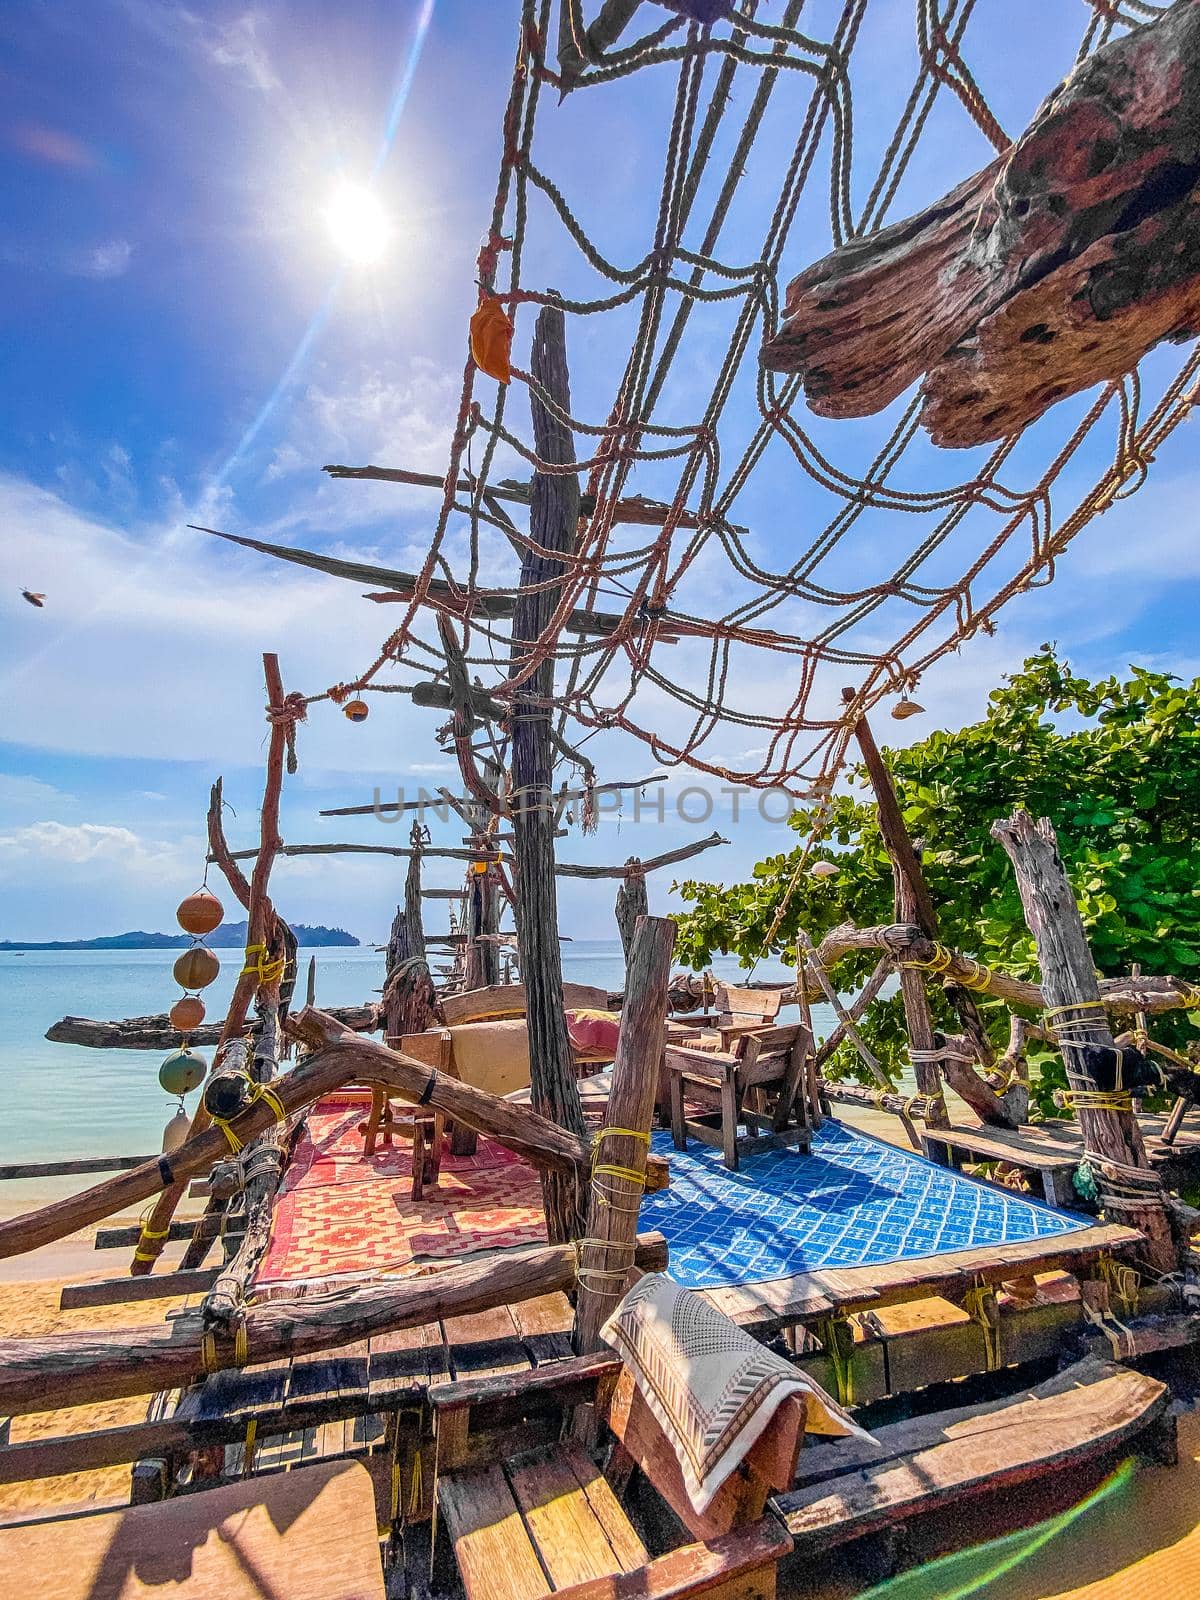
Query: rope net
671,621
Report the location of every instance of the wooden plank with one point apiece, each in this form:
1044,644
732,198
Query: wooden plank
1018,1442
1048,1148
64,1169
397,1364
313,1533
627,1547
738,1566
485,1343
569,1538
545,1327
495,1557
809,1296
118,1291
830,1459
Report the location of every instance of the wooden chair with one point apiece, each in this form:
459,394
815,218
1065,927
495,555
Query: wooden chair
308,1534
426,1129
758,1082
738,1011
528,1523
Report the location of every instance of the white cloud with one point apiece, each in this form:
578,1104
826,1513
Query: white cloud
82,843
153,647
19,790
110,259
237,46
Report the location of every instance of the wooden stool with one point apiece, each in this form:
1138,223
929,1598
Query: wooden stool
415,1124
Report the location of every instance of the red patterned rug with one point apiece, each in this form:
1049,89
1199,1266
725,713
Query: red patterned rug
340,1212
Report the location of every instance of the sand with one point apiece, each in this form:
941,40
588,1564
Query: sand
29,1308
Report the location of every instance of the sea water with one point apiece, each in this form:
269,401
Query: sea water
61,1100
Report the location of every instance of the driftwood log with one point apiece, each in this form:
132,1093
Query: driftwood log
261,1166
340,1057
1075,1013
1056,267
81,1368
607,1248
553,525
156,1033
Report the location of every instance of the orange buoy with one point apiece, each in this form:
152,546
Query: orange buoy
356,710
187,1013
196,968
200,913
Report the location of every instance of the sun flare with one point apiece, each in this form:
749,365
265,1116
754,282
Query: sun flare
357,223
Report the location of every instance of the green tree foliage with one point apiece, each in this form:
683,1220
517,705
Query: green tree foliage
1115,765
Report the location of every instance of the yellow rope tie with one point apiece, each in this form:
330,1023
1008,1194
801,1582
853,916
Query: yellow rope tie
1048,1017
1123,1281
1189,999
977,1303
979,977
249,1447
416,1486
941,960
208,1352
147,1236
258,966
257,1092
1096,1099
608,1170
395,1490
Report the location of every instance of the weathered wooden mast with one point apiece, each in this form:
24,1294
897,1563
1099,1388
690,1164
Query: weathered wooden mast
1075,1013
553,522
408,993
632,903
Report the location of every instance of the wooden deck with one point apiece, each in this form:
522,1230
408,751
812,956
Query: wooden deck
810,1297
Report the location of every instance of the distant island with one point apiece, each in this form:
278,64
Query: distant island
229,936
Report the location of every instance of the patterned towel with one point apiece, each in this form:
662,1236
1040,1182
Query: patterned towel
712,1388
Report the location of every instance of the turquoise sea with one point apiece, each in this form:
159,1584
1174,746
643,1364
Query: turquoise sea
62,1100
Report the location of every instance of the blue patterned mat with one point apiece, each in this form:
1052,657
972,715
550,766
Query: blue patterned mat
854,1202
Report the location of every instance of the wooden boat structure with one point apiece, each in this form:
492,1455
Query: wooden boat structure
458,1423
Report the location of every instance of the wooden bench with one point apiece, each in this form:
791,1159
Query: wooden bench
1049,1150
1091,1410
528,1523
758,1082
310,1534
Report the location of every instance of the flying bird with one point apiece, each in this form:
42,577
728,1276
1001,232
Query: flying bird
34,599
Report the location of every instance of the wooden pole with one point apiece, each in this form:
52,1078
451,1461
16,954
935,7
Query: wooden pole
553,522
1129,1191
81,1368
260,918
618,1172
632,903
261,1169
409,1000
913,903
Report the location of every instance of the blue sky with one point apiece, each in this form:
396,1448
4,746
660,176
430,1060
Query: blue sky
182,340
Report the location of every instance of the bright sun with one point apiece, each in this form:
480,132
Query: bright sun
357,223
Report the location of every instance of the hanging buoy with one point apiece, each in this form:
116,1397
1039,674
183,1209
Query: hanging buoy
200,913
823,869
196,968
186,1014
356,710
176,1131
182,1071
905,707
